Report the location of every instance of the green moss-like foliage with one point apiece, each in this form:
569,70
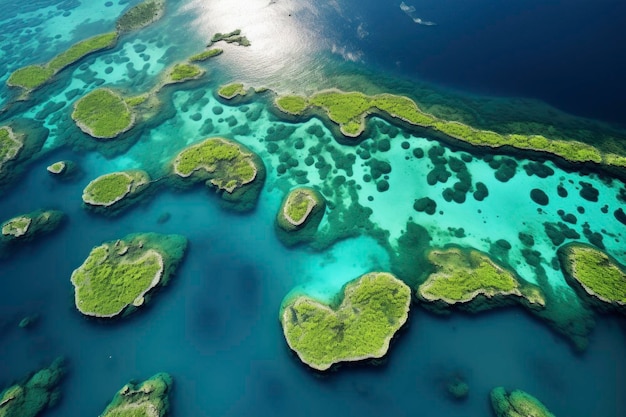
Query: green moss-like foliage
517,404
25,227
118,276
57,168
30,77
117,189
146,399
359,326
350,109
184,72
295,105
464,276
136,100
203,56
299,215
103,114
33,395
231,37
596,276
230,91
141,15
33,76
10,145
234,170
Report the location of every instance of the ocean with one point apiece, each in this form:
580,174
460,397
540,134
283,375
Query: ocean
215,327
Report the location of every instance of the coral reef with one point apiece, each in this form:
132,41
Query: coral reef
517,404
359,325
117,277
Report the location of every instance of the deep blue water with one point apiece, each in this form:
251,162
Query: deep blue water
215,328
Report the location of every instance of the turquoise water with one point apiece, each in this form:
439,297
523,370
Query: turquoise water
215,328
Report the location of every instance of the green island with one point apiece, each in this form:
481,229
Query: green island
118,189
33,395
10,145
228,163
26,226
141,15
183,72
230,91
349,110
596,276
517,403
231,37
358,325
118,276
57,168
146,399
473,280
33,76
298,207
203,56
103,114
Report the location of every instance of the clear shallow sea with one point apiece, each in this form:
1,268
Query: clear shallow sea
215,327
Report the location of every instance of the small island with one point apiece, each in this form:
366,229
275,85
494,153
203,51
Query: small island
230,91
26,226
183,72
234,170
472,280
63,169
30,397
146,399
597,277
115,191
103,114
232,37
34,76
57,168
517,404
203,56
358,326
10,145
141,15
299,215
117,277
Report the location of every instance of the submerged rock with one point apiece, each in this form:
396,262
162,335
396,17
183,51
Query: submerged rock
517,404
117,277
146,399
358,326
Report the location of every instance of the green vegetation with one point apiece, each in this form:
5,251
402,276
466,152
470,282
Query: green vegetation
30,77
230,91
349,110
141,15
26,226
517,404
232,37
184,72
225,163
32,396
119,274
108,189
136,100
17,226
460,276
148,399
57,168
103,114
599,275
203,56
33,76
295,105
9,145
359,326
298,206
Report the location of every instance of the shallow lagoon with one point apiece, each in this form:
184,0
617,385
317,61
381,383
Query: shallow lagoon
215,327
